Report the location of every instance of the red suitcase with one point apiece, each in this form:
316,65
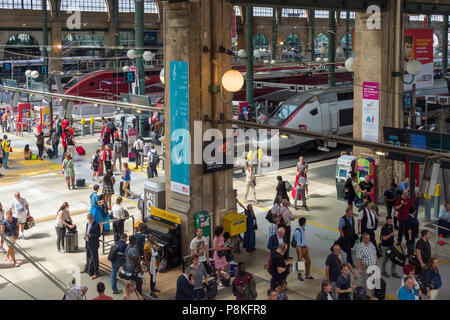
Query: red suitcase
80,150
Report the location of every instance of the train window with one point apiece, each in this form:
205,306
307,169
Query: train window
327,97
345,96
314,112
346,117
91,83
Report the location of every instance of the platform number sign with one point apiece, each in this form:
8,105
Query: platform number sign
407,101
129,77
43,70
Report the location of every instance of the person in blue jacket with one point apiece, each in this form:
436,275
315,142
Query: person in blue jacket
96,206
432,279
185,285
408,291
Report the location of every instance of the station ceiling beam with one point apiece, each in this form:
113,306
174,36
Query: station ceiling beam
436,7
343,5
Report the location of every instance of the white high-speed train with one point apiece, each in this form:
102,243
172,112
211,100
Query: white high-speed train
327,111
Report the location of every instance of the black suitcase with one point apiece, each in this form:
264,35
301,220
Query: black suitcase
71,242
122,192
397,257
50,153
81,183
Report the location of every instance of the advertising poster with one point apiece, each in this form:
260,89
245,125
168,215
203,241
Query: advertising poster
418,45
370,111
179,127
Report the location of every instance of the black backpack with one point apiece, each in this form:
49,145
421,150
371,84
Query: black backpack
155,159
293,241
113,253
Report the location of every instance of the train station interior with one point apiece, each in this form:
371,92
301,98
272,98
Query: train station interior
157,118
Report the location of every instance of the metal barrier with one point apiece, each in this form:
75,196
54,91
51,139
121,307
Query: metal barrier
436,228
110,243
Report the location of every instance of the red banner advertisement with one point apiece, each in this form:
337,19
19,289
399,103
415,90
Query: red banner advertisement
418,45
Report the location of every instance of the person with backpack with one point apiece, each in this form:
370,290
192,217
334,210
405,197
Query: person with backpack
281,189
117,260
411,230
286,217
244,285
153,161
95,162
368,222
138,147
299,243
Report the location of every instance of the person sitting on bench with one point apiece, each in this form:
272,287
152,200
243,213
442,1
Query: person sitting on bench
444,220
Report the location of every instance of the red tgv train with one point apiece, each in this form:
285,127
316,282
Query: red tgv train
109,84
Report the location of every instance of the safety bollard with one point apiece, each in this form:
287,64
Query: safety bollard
427,207
437,198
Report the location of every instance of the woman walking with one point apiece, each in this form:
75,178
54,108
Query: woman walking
151,258
63,221
432,279
349,189
40,145
250,180
95,162
126,180
220,261
250,235
69,172
108,187
10,228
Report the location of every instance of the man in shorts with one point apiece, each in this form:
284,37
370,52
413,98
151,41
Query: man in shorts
21,211
10,228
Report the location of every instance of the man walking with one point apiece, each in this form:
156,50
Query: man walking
153,160
21,211
6,145
402,205
277,266
117,152
302,169
387,241
138,147
333,267
302,249
91,237
348,235
286,217
366,256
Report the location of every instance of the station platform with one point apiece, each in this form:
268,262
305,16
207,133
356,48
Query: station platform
41,183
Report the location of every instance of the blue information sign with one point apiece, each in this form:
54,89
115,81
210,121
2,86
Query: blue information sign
129,77
179,127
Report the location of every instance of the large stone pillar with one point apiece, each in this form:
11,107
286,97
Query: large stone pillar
374,62
56,41
193,32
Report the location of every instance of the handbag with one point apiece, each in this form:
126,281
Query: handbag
301,266
221,253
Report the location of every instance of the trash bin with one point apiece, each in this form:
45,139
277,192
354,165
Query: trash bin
203,220
234,223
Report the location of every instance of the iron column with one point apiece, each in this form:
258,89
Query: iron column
347,32
45,48
445,46
313,45
139,44
331,48
274,34
249,69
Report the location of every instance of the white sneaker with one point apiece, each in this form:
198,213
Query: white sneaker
22,236
2,250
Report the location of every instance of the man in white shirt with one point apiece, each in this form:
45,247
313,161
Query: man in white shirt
152,162
199,245
118,212
444,220
21,211
138,147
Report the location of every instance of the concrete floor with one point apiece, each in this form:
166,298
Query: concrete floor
44,188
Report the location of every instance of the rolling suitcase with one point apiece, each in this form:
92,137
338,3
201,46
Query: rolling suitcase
122,192
397,257
72,242
50,153
81,183
106,226
80,150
